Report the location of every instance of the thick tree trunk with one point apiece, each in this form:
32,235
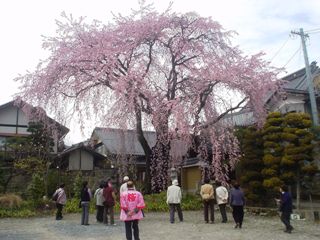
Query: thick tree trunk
160,166
157,158
161,156
146,149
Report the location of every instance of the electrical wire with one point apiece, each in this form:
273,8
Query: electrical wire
284,44
295,53
313,30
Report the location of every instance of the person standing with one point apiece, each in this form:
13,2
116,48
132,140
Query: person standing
109,202
286,208
237,201
222,200
98,195
123,187
85,196
207,195
131,204
174,197
61,197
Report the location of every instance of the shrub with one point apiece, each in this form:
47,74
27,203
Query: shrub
36,188
157,202
191,202
18,209
72,206
10,201
77,185
4,213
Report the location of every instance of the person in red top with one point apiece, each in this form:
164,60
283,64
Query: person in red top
131,203
109,202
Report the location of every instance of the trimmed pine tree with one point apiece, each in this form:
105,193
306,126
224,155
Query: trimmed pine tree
273,151
297,161
251,164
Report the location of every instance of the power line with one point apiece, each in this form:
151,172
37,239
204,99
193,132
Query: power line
295,53
276,54
313,30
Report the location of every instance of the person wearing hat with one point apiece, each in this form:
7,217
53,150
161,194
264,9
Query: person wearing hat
174,197
123,187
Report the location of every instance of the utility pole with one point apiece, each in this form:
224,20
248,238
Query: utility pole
314,109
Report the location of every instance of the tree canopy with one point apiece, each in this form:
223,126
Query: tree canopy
173,72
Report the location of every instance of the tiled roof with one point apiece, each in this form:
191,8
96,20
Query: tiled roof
119,141
297,81
83,147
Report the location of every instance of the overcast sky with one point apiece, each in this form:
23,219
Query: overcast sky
262,25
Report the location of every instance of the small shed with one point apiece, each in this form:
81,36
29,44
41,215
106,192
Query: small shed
81,157
191,175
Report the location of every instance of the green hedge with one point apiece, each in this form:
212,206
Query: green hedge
26,209
154,203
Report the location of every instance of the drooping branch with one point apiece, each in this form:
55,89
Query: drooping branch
89,87
238,106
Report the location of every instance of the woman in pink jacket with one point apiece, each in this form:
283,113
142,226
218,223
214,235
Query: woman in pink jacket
131,203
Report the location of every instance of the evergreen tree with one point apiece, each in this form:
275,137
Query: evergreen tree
251,164
273,151
13,151
37,148
36,188
297,160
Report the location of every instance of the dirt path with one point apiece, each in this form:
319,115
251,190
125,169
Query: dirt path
156,226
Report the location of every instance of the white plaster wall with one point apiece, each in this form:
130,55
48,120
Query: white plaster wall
86,160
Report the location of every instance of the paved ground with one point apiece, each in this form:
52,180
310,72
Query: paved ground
156,226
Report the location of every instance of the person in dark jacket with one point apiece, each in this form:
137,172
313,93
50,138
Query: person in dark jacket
286,208
85,196
109,202
237,201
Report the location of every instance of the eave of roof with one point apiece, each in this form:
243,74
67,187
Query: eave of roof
64,129
81,147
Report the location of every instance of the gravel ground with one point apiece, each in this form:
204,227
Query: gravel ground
156,226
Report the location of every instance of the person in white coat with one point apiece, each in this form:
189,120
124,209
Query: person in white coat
123,187
222,199
61,199
98,195
174,197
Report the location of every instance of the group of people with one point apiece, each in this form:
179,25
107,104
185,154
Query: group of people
105,201
221,196
132,204
209,196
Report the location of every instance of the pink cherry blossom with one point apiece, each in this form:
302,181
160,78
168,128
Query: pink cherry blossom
164,71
